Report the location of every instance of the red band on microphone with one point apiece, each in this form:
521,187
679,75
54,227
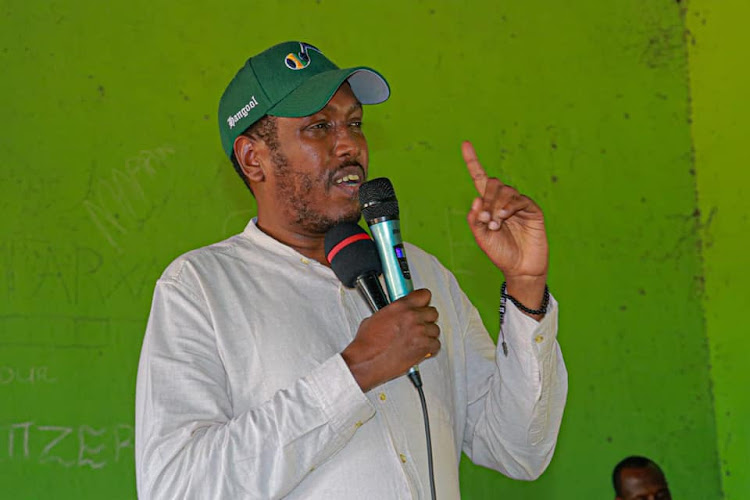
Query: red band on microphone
346,242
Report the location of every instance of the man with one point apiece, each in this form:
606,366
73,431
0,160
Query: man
262,376
638,478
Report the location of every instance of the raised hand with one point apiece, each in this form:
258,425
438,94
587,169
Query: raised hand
509,228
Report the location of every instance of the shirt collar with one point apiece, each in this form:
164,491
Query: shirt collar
267,243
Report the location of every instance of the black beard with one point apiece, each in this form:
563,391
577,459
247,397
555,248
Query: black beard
295,186
317,223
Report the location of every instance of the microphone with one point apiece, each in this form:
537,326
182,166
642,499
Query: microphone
354,259
380,210
377,199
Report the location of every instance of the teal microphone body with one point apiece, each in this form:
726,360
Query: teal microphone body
387,235
380,210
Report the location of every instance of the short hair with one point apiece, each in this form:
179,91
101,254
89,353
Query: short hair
265,130
631,462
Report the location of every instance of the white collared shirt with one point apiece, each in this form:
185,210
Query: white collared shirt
242,391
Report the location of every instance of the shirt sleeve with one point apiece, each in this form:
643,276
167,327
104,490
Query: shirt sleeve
515,402
190,444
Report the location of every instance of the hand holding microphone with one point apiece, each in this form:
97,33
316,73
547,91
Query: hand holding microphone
398,335
391,341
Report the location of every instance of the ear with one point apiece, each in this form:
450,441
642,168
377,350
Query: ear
250,155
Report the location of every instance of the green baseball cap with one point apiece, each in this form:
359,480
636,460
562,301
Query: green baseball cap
292,79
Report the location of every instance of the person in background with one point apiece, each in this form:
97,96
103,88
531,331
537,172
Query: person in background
639,478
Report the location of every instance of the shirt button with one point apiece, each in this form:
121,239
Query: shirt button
358,425
382,396
539,339
403,458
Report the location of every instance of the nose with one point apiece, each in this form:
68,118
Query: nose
347,141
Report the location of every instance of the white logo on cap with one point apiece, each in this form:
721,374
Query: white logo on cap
242,113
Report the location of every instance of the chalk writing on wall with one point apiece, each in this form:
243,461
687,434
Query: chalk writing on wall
31,375
37,270
84,446
118,203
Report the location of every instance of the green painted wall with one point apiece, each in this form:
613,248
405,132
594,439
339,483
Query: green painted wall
111,167
720,80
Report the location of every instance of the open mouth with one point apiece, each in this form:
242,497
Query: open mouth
349,180
350,176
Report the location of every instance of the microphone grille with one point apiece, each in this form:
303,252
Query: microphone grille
351,252
378,199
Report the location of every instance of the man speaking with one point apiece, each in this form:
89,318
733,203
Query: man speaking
262,376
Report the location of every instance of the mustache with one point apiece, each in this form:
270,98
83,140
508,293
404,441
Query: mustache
344,164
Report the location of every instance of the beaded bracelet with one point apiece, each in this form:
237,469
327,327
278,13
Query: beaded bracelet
504,296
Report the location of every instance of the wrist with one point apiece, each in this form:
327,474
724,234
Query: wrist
529,291
359,370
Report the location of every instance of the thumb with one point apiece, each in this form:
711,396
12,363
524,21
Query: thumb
417,298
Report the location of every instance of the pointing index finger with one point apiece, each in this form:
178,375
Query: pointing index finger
478,175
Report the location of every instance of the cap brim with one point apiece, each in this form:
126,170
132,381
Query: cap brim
368,85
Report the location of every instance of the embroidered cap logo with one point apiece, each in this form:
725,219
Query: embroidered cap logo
300,60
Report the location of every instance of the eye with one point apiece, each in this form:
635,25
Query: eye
320,126
356,123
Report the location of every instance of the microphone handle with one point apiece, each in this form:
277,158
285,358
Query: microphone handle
387,236
369,286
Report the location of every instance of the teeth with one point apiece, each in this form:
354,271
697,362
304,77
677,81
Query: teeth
348,178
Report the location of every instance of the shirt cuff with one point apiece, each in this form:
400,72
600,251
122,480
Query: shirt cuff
539,339
525,330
